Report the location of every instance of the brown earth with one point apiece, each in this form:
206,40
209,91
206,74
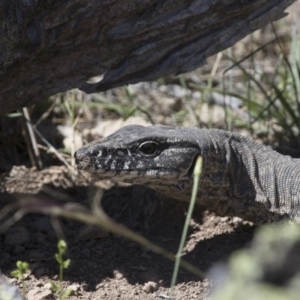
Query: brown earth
106,266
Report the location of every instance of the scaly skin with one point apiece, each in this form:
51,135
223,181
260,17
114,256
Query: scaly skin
239,177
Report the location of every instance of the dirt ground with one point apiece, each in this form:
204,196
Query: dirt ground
106,266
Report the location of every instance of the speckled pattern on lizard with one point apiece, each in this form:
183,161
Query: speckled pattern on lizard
239,178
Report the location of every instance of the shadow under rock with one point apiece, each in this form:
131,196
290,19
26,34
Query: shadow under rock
211,239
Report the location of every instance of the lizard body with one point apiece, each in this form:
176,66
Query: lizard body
239,178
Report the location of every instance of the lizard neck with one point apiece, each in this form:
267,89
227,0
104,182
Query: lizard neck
231,180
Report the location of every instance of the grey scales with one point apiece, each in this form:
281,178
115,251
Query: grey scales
239,178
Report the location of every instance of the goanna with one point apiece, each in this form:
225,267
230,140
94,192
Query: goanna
239,178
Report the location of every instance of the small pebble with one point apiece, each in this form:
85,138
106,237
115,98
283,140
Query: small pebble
48,285
74,288
38,294
118,275
150,287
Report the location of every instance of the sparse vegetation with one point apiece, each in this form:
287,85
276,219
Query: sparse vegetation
19,273
63,264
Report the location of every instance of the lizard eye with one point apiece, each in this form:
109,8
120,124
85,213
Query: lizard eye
148,148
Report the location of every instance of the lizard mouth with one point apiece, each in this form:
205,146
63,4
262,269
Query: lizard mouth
131,171
83,163
135,175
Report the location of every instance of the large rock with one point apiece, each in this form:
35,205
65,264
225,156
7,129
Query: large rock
50,46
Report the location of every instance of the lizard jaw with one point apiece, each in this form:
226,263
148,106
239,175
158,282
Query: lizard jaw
133,176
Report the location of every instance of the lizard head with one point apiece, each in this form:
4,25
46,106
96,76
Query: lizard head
141,155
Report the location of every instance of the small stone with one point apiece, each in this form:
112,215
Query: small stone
38,294
100,285
236,220
206,284
16,236
48,286
150,287
118,275
74,288
84,286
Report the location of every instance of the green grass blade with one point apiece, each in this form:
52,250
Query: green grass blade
197,175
